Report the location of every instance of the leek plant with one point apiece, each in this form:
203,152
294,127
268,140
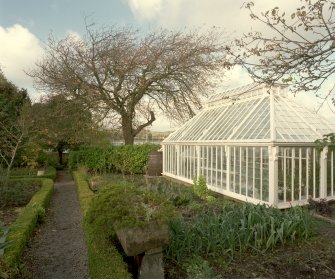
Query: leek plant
236,229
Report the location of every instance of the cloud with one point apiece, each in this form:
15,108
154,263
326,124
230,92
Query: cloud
19,49
74,35
230,15
145,9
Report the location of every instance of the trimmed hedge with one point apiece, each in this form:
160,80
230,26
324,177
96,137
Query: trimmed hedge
127,159
50,173
25,223
103,258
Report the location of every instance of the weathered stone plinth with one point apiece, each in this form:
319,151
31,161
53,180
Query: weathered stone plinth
152,265
137,240
148,240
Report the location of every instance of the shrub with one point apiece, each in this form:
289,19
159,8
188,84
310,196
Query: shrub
132,159
114,207
48,159
127,159
50,172
20,172
122,205
104,259
200,187
24,225
4,242
198,268
179,195
85,195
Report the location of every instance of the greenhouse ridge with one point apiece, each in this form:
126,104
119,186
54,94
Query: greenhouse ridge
255,144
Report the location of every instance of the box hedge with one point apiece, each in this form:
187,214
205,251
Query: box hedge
126,159
103,258
22,228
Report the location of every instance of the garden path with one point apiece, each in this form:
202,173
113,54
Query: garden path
57,250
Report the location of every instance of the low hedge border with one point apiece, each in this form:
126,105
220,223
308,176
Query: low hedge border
50,173
26,221
103,258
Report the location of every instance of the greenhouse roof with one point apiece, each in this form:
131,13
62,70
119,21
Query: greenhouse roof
253,113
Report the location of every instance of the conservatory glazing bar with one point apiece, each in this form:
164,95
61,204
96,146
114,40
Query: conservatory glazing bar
241,172
280,176
256,144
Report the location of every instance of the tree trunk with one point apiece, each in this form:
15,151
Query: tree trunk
129,133
13,154
60,155
127,130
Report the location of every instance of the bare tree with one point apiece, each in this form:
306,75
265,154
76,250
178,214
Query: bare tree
15,121
300,50
120,71
14,137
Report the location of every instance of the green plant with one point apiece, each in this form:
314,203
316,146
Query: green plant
4,242
327,140
50,172
17,192
127,159
198,268
200,187
210,199
104,259
179,195
236,229
40,210
123,205
23,172
25,223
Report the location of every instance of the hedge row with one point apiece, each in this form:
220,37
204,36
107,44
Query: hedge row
127,159
25,223
50,172
103,258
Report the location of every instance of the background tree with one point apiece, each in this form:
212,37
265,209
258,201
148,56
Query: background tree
15,123
300,50
63,123
120,72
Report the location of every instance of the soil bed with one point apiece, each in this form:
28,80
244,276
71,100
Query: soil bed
312,258
8,214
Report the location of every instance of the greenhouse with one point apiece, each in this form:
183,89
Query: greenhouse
254,144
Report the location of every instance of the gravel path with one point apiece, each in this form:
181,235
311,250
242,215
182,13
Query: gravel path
58,251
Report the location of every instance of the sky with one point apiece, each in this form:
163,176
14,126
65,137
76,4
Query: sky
26,25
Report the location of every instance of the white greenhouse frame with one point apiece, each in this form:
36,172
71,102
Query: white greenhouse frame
254,144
